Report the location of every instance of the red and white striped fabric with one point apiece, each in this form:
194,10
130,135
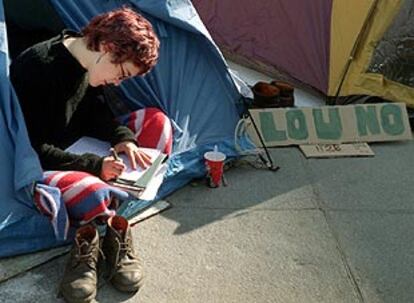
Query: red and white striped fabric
152,128
86,197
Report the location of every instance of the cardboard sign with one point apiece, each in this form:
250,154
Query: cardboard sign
336,150
331,124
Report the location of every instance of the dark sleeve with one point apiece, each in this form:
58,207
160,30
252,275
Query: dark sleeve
34,96
98,120
37,89
92,118
53,158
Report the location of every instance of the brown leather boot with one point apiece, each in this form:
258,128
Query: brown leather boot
122,260
265,95
286,98
80,279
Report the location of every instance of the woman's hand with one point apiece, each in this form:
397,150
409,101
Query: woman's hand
134,155
111,168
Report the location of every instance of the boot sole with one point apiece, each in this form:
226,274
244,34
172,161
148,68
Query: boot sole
89,299
127,288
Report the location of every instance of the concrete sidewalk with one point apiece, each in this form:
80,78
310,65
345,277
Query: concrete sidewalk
337,230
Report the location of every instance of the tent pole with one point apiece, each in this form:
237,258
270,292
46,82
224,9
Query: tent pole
355,48
269,161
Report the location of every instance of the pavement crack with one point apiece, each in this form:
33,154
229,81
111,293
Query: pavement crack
350,274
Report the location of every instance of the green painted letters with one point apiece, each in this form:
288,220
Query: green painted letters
296,125
332,129
367,119
268,128
391,120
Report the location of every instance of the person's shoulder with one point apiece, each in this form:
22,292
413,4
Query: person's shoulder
41,52
38,58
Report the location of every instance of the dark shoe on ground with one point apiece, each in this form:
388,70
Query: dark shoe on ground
286,98
265,95
79,281
122,261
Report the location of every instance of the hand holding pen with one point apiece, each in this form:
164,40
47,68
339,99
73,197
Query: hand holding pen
112,166
114,154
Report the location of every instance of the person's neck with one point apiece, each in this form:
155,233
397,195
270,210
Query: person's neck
77,47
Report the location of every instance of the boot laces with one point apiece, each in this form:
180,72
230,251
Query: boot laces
125,246
125,249
88,256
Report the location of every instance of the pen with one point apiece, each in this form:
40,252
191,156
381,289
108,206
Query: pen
114,154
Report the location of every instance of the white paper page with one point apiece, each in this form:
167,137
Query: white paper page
101,148
152,188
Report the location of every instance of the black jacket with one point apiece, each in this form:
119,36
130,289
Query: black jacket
59,106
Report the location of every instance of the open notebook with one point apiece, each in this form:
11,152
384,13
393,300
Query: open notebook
135,181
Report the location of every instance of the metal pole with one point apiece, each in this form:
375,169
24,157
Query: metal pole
269,162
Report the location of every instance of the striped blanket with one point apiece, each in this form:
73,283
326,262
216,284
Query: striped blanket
76,198
85,198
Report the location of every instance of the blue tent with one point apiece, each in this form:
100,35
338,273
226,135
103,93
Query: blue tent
191,83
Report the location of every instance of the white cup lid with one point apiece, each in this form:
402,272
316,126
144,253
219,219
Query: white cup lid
214,156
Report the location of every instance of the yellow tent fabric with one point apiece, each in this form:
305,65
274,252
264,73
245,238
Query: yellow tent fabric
348,20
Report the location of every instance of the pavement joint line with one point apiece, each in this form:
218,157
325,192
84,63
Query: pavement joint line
367,210
322,207
248,208
351,276
357,210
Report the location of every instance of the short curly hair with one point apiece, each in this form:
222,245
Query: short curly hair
131,36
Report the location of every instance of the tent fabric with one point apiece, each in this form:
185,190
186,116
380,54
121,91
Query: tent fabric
36,22
346,23
32,15
359,80
191,83
291,37
326,44
266,31
394,54
22,228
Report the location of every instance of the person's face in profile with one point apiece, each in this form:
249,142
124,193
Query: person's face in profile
105,72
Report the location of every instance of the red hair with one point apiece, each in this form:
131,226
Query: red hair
127,34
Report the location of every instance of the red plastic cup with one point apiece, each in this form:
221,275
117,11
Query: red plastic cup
215,162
